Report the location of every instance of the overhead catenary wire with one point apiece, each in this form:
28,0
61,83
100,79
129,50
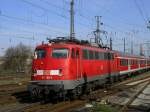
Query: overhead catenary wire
44,9
34,22
120,20
144,10
48,10
27,28
48,27
140,11
56,6
17,36
110,19
82,15
25,31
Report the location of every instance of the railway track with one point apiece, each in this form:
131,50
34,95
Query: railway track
126,107
18,107
67,106
64,106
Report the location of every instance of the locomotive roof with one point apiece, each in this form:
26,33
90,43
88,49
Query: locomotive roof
71,45
63,42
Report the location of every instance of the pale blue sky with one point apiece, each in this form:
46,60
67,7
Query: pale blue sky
23,20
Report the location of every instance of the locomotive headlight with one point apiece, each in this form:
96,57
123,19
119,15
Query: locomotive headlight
55,72
40,72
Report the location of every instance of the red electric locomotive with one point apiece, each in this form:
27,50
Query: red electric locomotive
66,67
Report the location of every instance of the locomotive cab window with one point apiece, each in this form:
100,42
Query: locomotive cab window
60,53
39,54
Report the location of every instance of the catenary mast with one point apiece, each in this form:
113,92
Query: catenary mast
72,33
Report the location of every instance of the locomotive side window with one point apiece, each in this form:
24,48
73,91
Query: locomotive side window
106,56
91,55
112,56
73,53
101,56
60,53
96,55
77,54
39,54
85,54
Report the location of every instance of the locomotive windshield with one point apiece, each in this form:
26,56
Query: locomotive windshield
39,54
60,53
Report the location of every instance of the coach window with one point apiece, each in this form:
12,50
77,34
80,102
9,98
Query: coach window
141,62
123,62
73,54
136,62
127,62
133,62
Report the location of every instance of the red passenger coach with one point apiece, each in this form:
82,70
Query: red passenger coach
70,68
128,64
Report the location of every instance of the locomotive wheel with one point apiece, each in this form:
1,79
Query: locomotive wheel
115,79
89,89
76,93
72,95
34,95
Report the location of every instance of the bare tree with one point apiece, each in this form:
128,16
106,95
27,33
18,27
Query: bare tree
18,59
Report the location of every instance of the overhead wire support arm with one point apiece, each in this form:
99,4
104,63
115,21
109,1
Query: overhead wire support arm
97,32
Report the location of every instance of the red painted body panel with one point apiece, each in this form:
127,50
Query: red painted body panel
73,68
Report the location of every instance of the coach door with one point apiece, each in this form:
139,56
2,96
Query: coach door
78,65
